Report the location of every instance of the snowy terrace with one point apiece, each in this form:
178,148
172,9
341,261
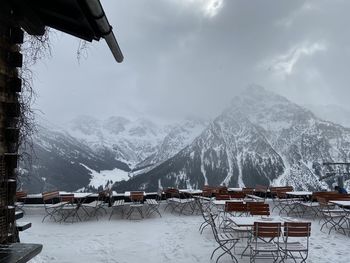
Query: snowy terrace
171,238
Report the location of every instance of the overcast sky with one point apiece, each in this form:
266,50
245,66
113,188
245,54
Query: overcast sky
190,57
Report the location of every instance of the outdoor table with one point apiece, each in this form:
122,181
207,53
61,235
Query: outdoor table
342,203
127,194
235,189
191,191
248,221
303,195
223,202
299,193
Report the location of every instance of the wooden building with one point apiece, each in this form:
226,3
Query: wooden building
84,19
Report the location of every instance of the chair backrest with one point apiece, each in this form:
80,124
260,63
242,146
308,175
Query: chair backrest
207,192
222,197
67,198
337,197
171,192
237,195
222,190
281,194
275,189
47,196
248,190
269,230
297,229
239,207
136,196
259,209
261,188
21,195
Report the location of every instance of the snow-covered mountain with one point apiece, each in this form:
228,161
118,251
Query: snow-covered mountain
179,136
131,141
63,162
90,153
262,138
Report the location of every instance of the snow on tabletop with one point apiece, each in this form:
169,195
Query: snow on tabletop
172,238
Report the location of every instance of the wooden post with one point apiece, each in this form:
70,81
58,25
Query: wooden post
10,86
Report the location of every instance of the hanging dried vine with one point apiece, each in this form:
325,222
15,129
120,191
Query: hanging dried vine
34,49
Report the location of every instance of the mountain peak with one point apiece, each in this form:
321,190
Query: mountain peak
259,94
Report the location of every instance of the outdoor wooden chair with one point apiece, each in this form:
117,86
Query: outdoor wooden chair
222,197
261,190
153,204
118,205
180,202
235,209
20,200
93,209
265,241
69,209
207,191
226,241
222,190
52,207
237,195
331,216
137,204
205,210
310,207
248,191
295,249
171,196
258,209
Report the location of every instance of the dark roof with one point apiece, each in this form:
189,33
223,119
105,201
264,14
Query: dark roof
84,19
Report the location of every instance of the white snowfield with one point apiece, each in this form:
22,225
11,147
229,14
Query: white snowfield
172,238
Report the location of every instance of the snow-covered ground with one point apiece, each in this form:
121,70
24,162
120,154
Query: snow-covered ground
172,238
103,177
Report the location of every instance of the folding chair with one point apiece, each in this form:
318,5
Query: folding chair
265,241
222,197
51,208
331,215
205,210
69,209
20,200
233,209
153,204
295,249
117,204
310,206
248,191
261,190
284,203
93,208
226,241
236,209
137,204
171,195
258,209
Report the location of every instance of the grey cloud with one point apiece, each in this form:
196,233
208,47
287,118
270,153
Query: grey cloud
178,61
